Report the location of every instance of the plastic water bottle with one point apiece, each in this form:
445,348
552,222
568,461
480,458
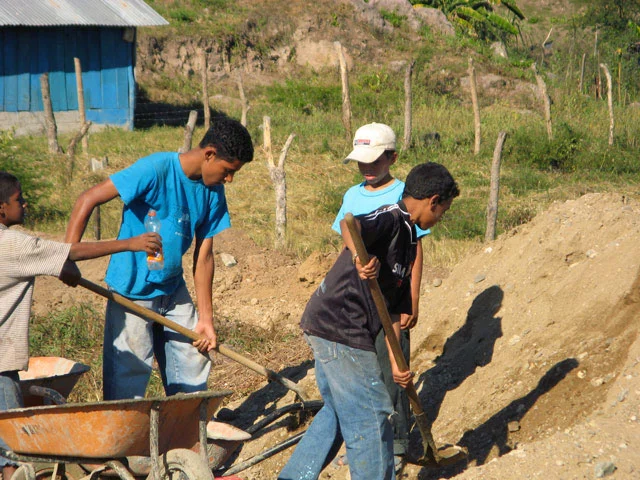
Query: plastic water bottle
152,224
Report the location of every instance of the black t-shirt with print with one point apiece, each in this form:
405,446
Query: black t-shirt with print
342,309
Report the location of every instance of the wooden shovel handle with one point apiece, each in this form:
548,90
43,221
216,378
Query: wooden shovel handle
156,317
383,313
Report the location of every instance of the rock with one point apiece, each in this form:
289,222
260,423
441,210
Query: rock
499,49
513,426
604,469
479,277
315,267
228,260
437,282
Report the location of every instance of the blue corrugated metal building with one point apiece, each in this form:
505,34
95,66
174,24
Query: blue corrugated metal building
38,36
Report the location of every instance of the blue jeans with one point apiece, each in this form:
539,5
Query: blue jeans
130,343
356,408
10,397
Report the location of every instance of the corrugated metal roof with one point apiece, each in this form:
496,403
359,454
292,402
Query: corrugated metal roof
53,13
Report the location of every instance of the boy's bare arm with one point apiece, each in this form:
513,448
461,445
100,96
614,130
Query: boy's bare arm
409,321
147,242
203,270
87,201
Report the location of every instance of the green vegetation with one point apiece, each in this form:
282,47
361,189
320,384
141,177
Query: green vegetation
479,18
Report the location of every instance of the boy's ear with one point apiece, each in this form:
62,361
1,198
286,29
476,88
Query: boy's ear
433,201
209,152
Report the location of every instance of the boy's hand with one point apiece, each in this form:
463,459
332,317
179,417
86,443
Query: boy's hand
211,339
70,274
401,378
408,321
147,242
368,271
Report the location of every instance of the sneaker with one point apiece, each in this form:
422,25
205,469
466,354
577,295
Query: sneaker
399,462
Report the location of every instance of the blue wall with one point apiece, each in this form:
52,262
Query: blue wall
107,71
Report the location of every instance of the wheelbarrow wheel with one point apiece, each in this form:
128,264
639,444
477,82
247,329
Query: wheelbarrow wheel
183,464
46,473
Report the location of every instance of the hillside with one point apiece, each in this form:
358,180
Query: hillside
526,351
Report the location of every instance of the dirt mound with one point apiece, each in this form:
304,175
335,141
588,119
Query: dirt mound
526,354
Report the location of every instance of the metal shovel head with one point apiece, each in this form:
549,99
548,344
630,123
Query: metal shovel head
443,457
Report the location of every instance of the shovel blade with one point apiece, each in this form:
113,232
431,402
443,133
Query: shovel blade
443,457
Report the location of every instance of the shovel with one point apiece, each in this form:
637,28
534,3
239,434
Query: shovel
152,316
442,456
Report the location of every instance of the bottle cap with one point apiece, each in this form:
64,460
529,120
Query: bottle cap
152,213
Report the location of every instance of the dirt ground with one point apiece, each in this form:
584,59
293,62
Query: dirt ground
526,352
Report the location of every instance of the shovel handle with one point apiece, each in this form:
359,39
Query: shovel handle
387,325
152,316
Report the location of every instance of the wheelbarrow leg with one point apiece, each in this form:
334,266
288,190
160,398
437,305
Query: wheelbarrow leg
202,430
154,449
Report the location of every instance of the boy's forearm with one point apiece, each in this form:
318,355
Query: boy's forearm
87,250
203,272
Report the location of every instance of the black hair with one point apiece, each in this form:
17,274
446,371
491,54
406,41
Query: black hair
429,179
230,139
8,186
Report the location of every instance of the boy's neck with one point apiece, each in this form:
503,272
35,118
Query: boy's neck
384,183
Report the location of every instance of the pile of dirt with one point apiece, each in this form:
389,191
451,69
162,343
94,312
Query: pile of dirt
526,353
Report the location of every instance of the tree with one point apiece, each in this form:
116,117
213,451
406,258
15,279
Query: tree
479,18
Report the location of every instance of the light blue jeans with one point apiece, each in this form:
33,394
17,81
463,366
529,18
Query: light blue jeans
10,397
130,343
356,408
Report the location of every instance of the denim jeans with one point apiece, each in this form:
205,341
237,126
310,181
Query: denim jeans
10,397
130,343
401,419
356,408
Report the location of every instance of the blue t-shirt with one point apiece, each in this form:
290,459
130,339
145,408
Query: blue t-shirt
358,200
186,209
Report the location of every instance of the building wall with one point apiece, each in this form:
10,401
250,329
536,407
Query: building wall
107,74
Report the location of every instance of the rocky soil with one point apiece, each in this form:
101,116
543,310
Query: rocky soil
526,352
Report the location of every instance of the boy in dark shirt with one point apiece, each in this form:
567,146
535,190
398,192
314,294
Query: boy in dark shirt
341,322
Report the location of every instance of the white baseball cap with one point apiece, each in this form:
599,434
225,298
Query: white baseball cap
371,141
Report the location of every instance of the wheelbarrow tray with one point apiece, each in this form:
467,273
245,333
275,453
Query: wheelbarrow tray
56,373
111,429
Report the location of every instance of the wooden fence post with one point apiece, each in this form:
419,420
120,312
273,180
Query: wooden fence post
97,165
71,149
50,120
279,179
81,108
188,131
476,107
408,106
492,207
580,84
346,99
243,99
205,90
609,101
542,87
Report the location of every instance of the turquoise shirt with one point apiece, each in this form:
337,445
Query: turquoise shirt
359,200
187,209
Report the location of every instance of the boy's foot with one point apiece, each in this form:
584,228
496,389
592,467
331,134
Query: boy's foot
399,462
339,461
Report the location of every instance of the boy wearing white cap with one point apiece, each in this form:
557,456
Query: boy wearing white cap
374,148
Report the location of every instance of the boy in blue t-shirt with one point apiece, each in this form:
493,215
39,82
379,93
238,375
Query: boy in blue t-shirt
374,148
187,192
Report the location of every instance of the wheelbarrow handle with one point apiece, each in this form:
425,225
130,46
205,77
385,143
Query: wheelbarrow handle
387,325
152,316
